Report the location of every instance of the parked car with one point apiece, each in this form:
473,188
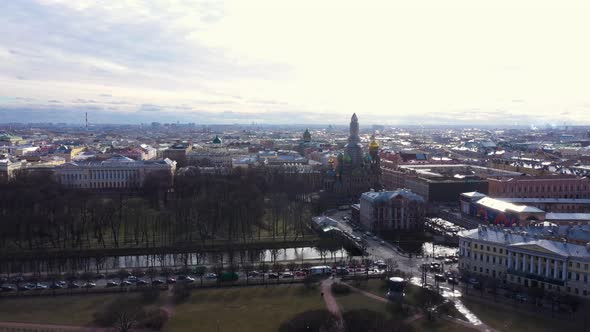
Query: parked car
88,285
189,279
56,285
157,282
181,277
211,275
112,284
273,275
141,282
126,283
170,281
452,281
7,288
303,274
132,279
39,286
440,277
73,285
253,274
25,287
288,275
473,281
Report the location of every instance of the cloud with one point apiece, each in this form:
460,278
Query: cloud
391,61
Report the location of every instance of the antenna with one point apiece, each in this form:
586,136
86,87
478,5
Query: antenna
87,121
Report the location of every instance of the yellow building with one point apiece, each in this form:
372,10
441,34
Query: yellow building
530,257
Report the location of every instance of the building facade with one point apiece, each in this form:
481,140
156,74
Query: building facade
555,186
382,211
115,173
526,258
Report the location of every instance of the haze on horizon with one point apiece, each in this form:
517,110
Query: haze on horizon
392,62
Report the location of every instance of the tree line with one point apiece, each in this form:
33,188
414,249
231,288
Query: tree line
37,213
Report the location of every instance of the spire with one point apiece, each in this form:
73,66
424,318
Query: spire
354,130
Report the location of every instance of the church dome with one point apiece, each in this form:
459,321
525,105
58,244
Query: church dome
216,140
373,145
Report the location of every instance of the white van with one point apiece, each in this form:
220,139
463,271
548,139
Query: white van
323,269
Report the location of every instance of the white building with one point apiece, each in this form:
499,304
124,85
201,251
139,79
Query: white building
114,173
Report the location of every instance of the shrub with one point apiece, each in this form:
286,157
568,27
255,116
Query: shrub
150,294
155,319
312,321
364,320
181,292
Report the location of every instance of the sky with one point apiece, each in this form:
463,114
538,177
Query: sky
392,62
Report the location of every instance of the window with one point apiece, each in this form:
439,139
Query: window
578,265
494,249
501,250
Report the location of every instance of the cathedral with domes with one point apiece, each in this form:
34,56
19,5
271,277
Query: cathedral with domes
355,171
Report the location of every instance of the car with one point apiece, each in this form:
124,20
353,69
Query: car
126,283
25,287
189,279
440,277
448,261
62,283
181,277
55,285
141,282
132,279
157,282
170,281
73,285
273,275
253,274
7,288
112,284
439,257
287,275
473,281
303,274
88,285
341,271
382,242
39,286
452,281
211,275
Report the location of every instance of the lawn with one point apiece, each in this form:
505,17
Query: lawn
355,301
437,326
506,318
66,310
257,309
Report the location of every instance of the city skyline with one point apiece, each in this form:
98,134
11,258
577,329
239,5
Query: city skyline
227,62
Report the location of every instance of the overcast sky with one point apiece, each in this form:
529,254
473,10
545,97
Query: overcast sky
295,61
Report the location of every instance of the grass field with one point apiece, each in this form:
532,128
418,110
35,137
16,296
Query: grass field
260,309
505,318
65,310
355,301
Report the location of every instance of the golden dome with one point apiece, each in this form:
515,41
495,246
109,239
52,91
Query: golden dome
373,144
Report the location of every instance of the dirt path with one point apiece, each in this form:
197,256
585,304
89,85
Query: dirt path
331,304
168,306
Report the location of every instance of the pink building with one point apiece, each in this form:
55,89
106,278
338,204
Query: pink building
557,186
